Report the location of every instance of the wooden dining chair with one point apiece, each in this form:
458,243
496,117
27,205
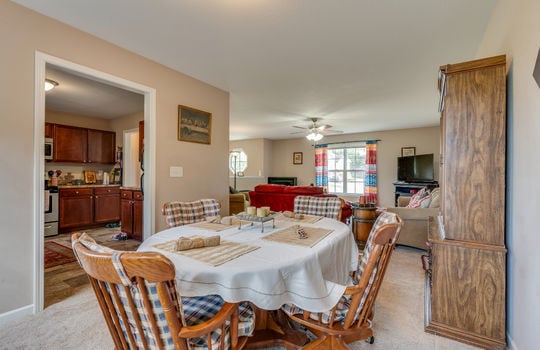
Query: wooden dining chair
182,213
351,319
137,295
329,207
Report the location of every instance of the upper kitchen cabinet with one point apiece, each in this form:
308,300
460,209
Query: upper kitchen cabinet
70,144
101,145
80,145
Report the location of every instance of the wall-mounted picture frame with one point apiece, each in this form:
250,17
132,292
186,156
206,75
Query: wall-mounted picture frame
194,125
298,158
408,151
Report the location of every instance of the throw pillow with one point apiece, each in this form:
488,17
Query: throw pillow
416,198
424,202
435,198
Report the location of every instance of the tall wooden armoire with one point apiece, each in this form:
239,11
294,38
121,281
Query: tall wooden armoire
466,281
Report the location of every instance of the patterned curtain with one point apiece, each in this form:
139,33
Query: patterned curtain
370,180
321,166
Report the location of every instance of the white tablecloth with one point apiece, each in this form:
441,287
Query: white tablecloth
276,273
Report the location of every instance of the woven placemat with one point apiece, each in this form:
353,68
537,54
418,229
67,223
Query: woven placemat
214,256
211,226
289,236
308,219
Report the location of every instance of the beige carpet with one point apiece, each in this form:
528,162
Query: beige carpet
76,323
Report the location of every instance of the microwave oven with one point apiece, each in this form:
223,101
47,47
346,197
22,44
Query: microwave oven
48,148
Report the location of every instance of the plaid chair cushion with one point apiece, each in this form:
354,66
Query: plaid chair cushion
344,302
183,213
200,309
324,206
211,207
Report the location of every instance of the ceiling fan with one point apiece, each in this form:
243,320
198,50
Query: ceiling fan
316,131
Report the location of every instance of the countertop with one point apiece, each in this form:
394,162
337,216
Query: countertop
88,185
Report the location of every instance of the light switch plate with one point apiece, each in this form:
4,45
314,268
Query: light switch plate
176,171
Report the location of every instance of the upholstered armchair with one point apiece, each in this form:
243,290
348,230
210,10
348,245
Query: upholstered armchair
238,202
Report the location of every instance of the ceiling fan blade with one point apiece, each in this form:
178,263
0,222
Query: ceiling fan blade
322,127
300,127
297,132
331,131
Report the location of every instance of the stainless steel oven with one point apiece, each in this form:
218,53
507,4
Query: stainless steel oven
51,213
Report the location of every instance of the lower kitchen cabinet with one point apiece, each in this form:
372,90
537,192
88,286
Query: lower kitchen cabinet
106,204
132,213
86,206
76,207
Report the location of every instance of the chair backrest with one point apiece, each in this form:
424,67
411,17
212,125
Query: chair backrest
352,313
329,207
137,294
182,213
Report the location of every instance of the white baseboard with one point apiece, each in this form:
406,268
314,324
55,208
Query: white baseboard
17,314
511,344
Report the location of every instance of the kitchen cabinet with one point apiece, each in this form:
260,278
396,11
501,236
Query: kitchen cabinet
101,145
76,207
466,279
80,145
70,144
132,213
141,140
106,204
48,130
86,206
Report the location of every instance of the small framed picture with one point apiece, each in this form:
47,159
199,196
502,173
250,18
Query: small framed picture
408,151
298,158
89,177
194,125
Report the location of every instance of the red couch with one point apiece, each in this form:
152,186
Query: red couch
281,197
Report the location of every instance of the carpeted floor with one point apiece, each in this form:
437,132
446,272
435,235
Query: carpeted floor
76,322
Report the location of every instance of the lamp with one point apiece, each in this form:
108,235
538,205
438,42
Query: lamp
314,136
234,155
50,84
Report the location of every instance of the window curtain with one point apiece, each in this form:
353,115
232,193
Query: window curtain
321,166
370,180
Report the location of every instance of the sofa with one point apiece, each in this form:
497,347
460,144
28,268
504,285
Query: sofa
281,197
414,232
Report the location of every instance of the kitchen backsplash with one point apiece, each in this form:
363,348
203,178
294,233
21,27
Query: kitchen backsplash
72,172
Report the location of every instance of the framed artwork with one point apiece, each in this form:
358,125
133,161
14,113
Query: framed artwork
408,151
297,158
89,177
194,125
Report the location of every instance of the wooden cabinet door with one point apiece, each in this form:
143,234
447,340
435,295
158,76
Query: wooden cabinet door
101,146
69,144
48,130
137,220
106,204
126,216
141,139
76,208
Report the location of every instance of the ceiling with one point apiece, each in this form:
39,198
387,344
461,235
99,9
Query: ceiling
360,65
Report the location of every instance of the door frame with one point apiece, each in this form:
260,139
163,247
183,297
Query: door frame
41,60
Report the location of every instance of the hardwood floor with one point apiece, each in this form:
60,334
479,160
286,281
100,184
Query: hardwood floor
66,280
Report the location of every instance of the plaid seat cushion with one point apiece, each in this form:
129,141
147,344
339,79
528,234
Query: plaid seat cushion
200,309
344,302
211,207
324,206
183,213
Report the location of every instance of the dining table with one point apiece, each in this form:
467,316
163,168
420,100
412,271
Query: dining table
268,268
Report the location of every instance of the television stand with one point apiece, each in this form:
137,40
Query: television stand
407,189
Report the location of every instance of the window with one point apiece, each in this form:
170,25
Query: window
238,161
346,164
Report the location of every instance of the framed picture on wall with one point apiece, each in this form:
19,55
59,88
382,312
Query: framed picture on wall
298,158
194,125
408,151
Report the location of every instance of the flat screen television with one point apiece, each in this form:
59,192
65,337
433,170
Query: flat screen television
417,168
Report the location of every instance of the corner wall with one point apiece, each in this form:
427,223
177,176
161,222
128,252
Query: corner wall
514,30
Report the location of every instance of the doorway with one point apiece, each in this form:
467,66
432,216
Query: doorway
41,60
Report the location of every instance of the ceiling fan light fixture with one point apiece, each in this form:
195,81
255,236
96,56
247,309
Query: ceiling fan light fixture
50,84
314,136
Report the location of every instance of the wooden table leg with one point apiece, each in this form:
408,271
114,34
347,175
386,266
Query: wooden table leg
272,328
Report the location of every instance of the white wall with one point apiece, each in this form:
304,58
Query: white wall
514,30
